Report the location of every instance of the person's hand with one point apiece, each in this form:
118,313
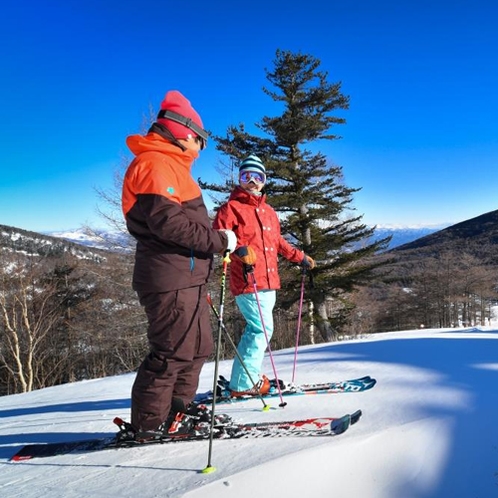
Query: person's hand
308,262
231,240
246,254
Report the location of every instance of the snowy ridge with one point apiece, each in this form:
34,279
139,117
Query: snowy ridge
17,241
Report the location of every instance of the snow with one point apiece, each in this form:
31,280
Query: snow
429,429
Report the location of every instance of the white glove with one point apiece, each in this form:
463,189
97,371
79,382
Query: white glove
232,240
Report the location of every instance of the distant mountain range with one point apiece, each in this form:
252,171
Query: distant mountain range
16,241
100,239
481,231
403,238
400,235
404,235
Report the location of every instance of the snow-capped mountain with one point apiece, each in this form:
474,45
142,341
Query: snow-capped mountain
404,234
101,239
18,241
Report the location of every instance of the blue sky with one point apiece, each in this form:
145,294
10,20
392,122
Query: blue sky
77,77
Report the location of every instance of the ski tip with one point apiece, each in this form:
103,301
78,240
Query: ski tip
370,384
367,380
364,379
355,416
341,425
208,470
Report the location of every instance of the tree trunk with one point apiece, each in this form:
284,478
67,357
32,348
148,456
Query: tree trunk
328,333
311,309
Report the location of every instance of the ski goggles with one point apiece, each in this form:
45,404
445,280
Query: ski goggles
201,141
248,176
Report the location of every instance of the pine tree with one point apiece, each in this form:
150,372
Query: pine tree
306,189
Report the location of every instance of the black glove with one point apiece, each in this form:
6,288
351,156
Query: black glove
246,269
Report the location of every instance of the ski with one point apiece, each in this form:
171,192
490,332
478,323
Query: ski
346,386
319,426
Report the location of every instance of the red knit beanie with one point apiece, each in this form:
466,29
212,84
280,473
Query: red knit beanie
174,101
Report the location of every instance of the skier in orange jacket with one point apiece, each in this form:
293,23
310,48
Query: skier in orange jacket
165,213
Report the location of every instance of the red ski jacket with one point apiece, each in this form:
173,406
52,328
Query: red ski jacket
256,224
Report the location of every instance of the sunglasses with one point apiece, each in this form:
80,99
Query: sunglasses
202,143
247,176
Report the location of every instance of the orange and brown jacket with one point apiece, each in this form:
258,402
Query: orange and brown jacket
165,213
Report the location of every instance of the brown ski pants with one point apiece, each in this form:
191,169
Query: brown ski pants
180,339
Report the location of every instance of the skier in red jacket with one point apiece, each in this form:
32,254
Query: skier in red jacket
259,242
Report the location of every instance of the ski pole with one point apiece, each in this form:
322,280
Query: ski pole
226,259
298,323
282,402
242,362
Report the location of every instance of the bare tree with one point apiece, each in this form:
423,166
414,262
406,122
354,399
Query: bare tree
28,316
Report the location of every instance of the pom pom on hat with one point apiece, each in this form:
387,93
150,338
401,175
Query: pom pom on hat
252,163
178,115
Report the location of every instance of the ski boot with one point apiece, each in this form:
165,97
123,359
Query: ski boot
261,388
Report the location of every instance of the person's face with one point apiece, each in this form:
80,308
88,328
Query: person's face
194,143
252,181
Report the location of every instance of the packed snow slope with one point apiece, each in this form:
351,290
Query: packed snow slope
429,429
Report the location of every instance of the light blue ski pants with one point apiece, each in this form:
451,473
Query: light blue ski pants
252,345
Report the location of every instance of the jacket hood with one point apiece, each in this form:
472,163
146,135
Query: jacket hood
152,142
